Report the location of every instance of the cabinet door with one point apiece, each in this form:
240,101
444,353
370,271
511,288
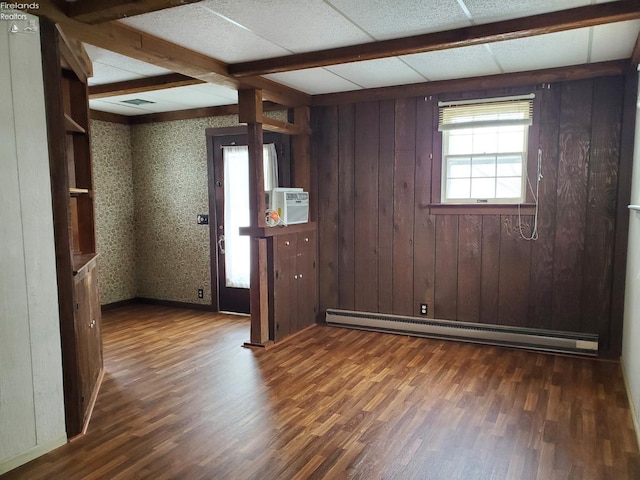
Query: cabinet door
307,307
284,286
88,339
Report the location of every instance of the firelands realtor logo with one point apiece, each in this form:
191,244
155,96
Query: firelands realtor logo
13,16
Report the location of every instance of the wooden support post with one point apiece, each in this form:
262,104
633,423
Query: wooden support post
250,112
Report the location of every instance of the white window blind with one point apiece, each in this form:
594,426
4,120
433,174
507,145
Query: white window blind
504,111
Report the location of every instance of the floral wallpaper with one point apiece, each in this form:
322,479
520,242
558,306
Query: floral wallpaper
114,205
151,183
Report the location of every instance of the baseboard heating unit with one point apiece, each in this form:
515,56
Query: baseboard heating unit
526,338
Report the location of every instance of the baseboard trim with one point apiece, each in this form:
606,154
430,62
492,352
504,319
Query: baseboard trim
635,418
174,304
32,454
122,303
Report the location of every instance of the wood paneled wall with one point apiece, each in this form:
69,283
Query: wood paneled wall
381,248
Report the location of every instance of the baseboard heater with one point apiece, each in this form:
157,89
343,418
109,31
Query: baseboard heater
526,338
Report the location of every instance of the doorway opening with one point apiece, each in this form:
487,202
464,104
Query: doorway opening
229,209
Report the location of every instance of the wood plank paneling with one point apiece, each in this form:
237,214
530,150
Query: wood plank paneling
469,264
601,205
490,271
366,195
542,250
425,223
385,206
446,288
472,266
403,206
346,222
514,271
574,143
325,158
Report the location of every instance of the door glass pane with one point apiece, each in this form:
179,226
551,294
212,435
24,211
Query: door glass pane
237,258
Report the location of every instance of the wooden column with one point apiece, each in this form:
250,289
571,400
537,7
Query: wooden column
250,112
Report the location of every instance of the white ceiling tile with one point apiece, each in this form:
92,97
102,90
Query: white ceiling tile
384,19
378,73
485,11
112,67
314,81
188,96
160,103
543,51
108,74
298,26
199,29
454,63
119,108
614,41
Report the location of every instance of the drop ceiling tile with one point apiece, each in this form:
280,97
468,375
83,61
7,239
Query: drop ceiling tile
298,26
188,97
216,91
485,11
119,108
384,19
108,74
112,67
314,81
378,73
543,51
201,30
614,41
454,63
160,104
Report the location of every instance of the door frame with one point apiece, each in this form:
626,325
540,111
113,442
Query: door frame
225,136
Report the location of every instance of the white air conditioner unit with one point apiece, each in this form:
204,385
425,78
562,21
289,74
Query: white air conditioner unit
291,204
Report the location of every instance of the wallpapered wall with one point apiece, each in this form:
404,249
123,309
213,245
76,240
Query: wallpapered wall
115,227
151,182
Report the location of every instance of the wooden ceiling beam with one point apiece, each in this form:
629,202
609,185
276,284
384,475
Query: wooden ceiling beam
146,84
101,11
136,44
462,37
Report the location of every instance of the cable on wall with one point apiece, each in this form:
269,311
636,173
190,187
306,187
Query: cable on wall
534,229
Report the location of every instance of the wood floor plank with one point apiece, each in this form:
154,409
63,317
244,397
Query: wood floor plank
182,400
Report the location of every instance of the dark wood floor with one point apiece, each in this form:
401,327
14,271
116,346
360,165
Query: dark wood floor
182,399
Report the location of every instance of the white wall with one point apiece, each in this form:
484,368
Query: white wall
631,331
31,395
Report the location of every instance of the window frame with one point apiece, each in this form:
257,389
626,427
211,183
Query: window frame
437,206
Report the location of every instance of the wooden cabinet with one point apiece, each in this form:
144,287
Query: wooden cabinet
294,280
68,129
88,334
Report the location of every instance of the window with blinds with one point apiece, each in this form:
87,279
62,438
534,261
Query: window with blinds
485,149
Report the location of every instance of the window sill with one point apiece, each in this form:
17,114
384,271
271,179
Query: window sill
481,209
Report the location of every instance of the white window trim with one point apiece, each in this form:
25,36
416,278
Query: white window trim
446,127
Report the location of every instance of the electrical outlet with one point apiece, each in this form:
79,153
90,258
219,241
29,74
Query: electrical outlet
200,293
424,309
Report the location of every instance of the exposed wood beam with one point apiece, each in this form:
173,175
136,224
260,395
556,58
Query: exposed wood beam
532,77
474,35
146,84
100,11
109,117
148,48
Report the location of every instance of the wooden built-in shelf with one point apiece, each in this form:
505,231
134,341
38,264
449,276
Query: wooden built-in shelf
78,191
70,125
82,261
278,230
